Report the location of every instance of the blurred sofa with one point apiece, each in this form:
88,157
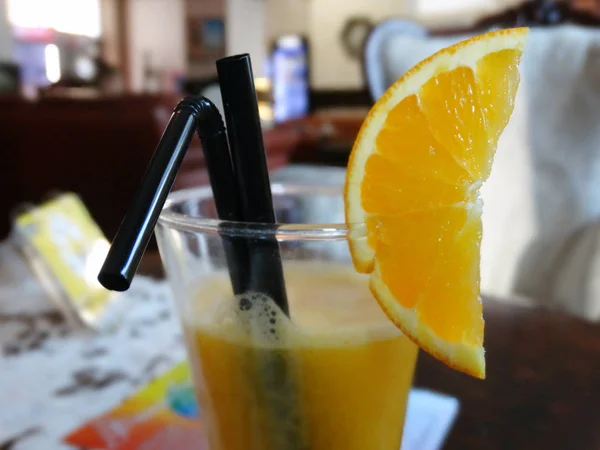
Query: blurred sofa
98,147
542,202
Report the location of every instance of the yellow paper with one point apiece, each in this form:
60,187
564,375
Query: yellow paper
72,247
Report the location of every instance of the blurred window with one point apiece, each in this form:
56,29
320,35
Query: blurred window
80,17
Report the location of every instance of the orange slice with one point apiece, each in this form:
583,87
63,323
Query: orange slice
412,192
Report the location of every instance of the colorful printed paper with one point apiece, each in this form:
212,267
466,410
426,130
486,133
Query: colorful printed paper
162,415
66,249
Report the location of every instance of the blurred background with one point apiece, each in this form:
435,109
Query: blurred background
87,87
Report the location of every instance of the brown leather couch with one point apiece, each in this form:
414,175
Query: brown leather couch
96,147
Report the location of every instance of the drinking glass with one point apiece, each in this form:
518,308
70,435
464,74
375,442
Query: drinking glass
334,374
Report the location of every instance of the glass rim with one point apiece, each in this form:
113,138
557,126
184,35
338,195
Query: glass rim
282,231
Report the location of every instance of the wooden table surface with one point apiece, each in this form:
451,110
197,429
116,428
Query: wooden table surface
543,381
542,389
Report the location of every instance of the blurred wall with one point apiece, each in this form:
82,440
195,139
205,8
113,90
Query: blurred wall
6,40
157,28
332,68
110,33
204,67
322,22
286,16
245,31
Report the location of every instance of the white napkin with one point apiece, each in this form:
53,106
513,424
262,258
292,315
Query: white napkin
429,418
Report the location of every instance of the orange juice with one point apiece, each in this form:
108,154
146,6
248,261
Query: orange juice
335,376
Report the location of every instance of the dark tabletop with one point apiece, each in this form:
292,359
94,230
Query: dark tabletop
542,389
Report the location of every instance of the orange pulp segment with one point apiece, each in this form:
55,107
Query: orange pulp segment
412,191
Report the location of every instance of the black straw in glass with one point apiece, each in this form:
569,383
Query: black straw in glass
194,113
276,380
244,131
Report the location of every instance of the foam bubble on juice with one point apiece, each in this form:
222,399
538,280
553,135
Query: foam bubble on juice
330,304
261,319
253,317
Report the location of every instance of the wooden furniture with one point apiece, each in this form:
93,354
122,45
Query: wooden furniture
326,136
96,147
591,6
543,379
542,386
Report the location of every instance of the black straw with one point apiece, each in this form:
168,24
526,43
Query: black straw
193,113
250,167
275,377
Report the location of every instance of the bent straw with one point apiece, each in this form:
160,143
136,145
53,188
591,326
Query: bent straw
194,113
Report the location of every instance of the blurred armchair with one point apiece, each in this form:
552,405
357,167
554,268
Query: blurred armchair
542,202
376,65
